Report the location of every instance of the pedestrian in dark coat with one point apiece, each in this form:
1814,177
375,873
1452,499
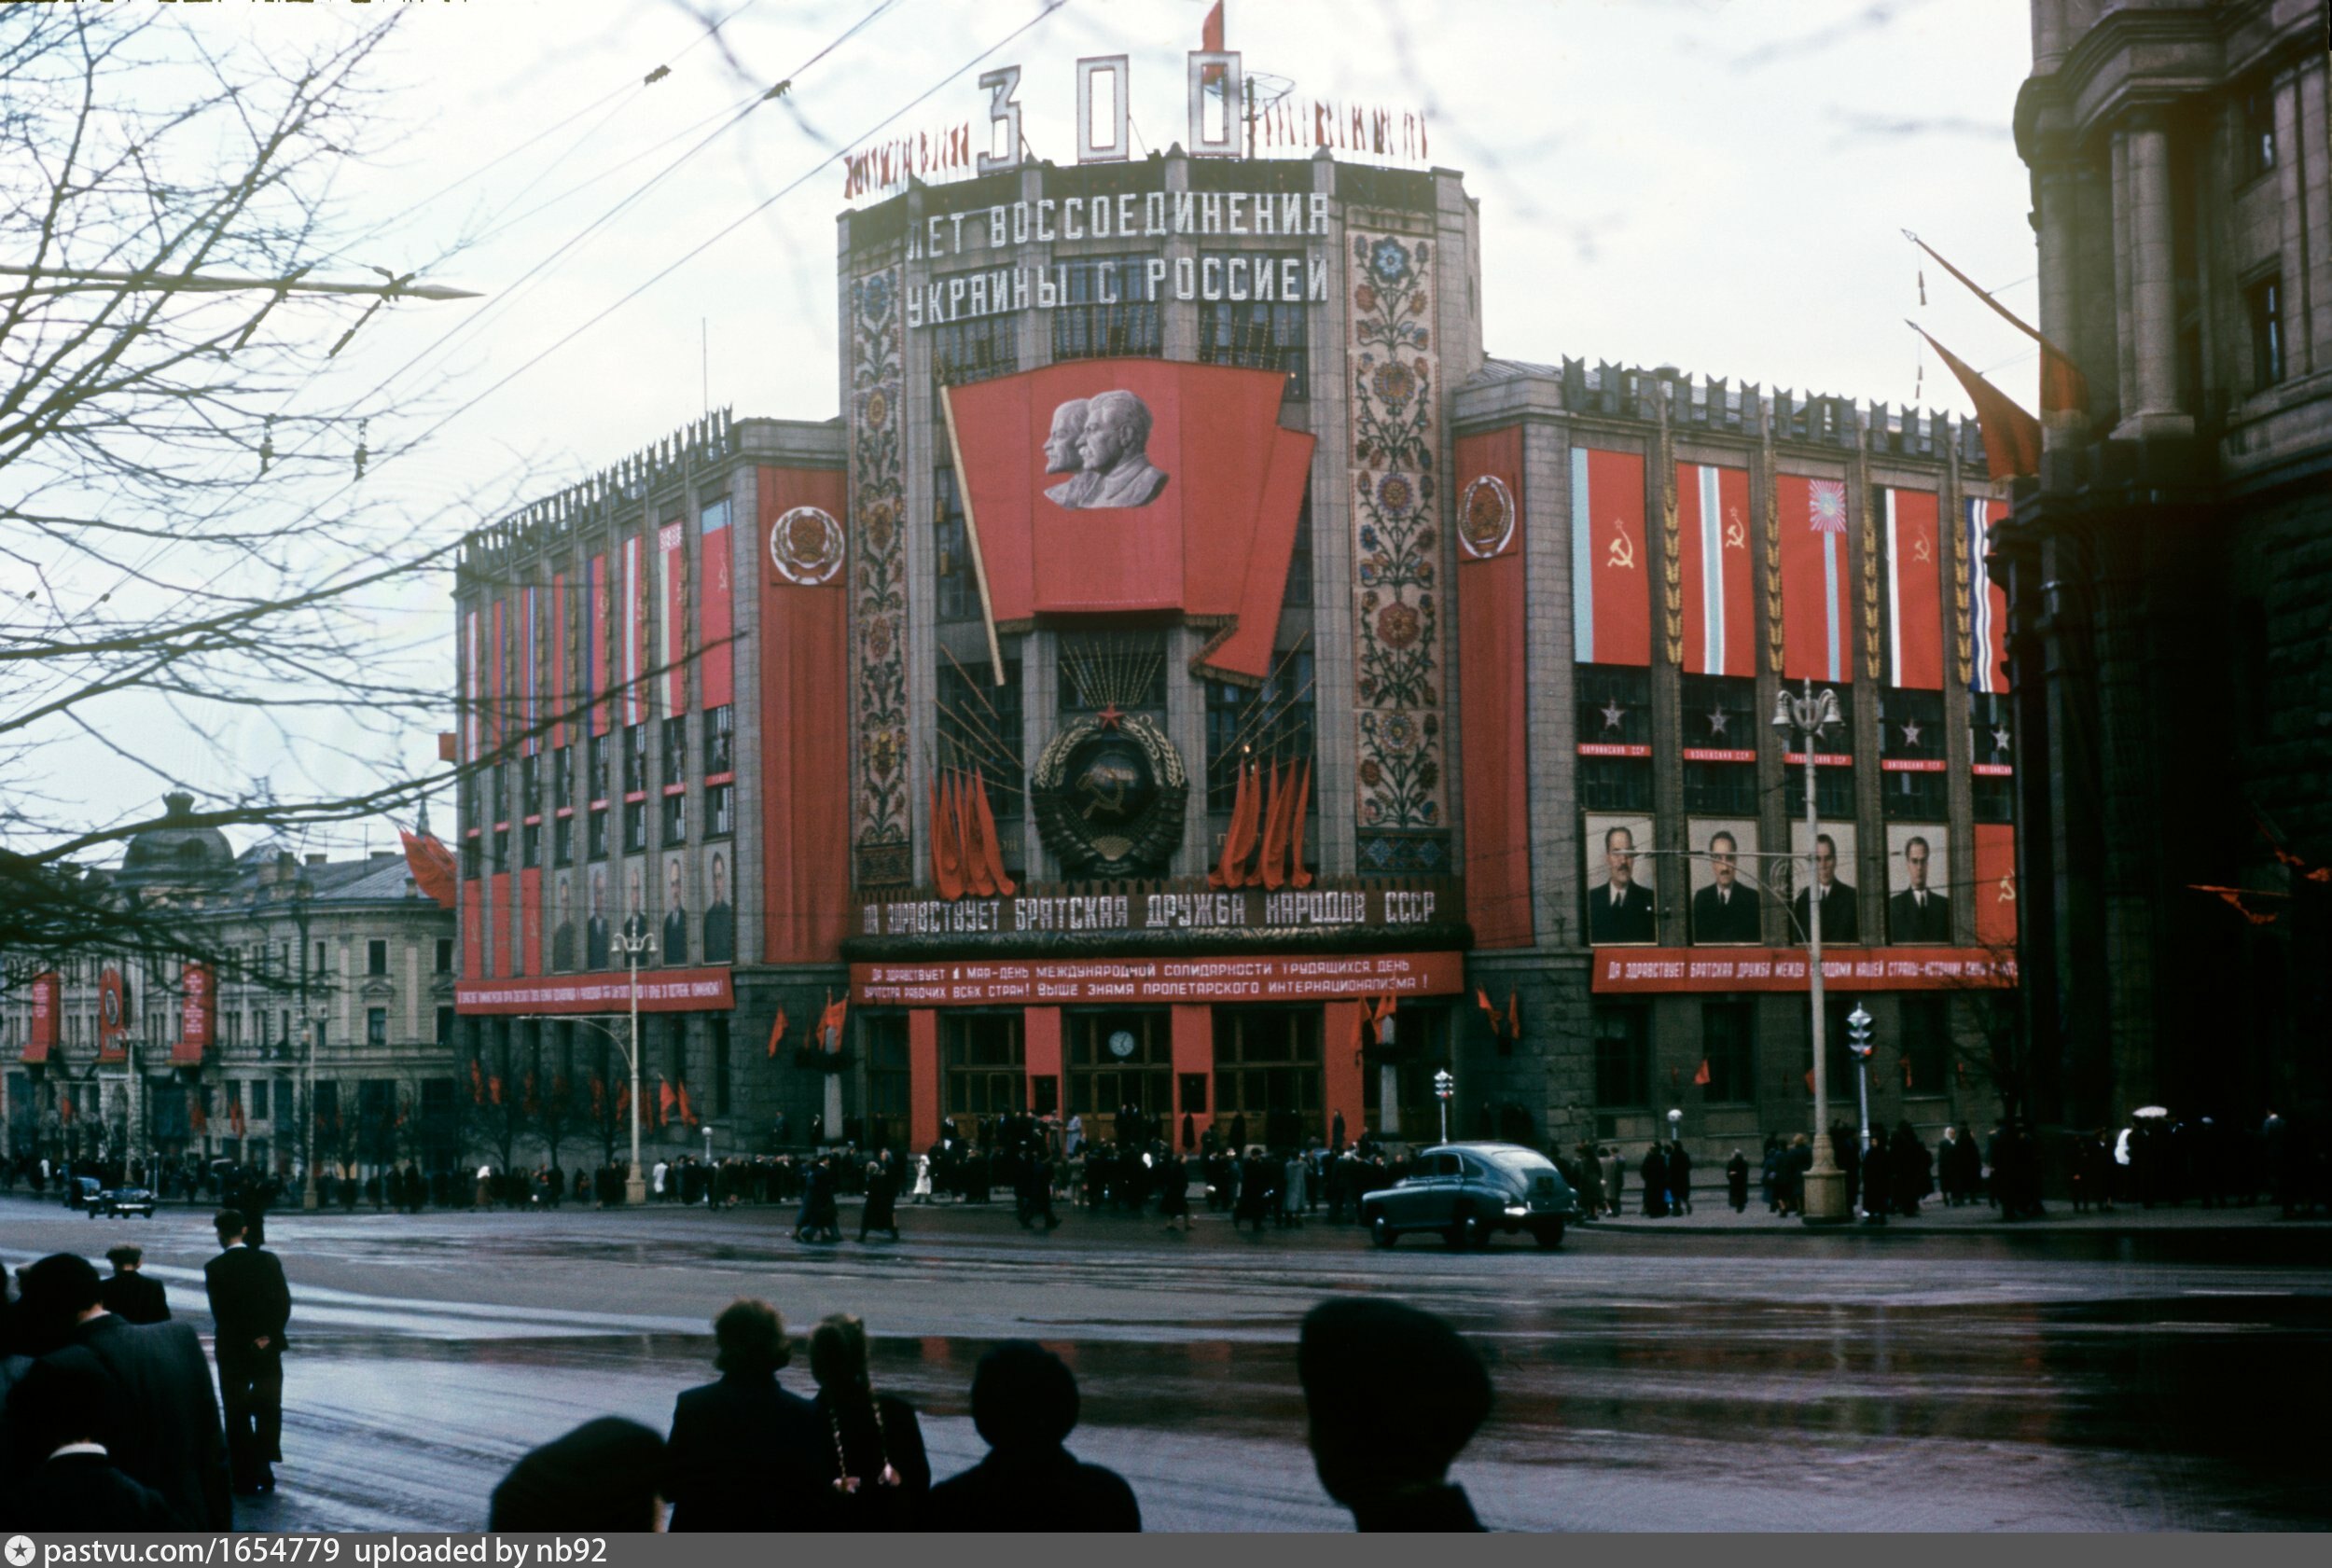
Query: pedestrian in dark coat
1736,1182
160,1410
129,1294
57,1409
1679,1179
1255,1190
251,1305
1654,1171
1024,1403
878,1476
744,1453
882,1209
599,1478
1173,1192
1909,1170
1875,1163
1393,1395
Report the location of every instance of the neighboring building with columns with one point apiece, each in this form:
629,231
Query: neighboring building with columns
1181,564
2169,572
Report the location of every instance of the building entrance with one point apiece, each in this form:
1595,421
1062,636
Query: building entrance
1268,1076
984,1062
1121,1060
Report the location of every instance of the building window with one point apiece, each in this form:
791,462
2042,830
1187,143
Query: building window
473,860
951,550
562,840
888,1079
718,1028
1834,783
1926,1054
675,750
599,834
2264,299
1614,704
635,827
376,957
597,751
1729,1049
376,1026
980,1056
562,777
1623,1058
1297,594
531,785
1270,723
498,792
1268,1069
977,347
634,758
720,739
720,811
1102,669
502,847
1910,736
531,845
1721,788
2258,129
445,955
445,1026
675,819
1265,333
1107,310
979,727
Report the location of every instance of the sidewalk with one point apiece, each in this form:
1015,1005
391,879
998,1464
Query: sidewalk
1712,1215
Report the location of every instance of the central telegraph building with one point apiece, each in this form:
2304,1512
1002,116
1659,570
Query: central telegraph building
1190,673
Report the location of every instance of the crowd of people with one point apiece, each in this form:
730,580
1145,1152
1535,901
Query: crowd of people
108,1421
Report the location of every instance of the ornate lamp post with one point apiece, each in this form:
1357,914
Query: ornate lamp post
1807,717
310,1194
1858,1041
634,944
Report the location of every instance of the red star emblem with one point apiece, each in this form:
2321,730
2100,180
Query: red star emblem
1110,715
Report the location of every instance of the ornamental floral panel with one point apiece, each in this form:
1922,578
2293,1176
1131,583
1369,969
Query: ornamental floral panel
1397,506
878,817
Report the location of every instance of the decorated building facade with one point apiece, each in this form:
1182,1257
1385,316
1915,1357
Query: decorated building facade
1190,676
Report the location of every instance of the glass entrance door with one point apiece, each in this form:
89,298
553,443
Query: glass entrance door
1121,1062
1268,1076
980,1056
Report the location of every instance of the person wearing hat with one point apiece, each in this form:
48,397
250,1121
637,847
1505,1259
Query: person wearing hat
599,1478
159,1416
251,1305
1024,1403
128,1294
57,1407
1393,1395
744,1453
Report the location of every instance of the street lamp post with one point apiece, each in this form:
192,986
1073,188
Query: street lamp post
635,945
1444,1086
1807,717
310,1197
1858,1041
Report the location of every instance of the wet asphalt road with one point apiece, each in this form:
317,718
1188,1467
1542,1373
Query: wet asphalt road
2160,1381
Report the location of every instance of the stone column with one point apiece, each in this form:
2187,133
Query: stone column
2151,406
2055,189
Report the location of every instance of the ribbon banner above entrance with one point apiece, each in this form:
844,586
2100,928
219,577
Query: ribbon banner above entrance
1283,978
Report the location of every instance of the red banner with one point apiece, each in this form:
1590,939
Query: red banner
198,1015
1633,971
1051,981
662,991
1810,523
1987,630
474,927
1995,884
634,653
1914,550
805,713
47,1017
113,1016
1611,590
598,606
1110,486
1493,642
716,607
672,623
1714,569
497,659
531,922
561,697
498,907
473,682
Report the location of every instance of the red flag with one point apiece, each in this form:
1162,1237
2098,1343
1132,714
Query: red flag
1481,1000
477,1082
990,847
1514,1018
1907,1071
2012,438
1704,1077
1227,871
433,868
665,1101
1211,40
946,856
1808,1080
623,1102
1715,576
530,1102
234,1115
494,1088
777,1029
688,1112
971,802
1274,867
1296,871
196,1114
2062,387
1611,600
1817,636
599,1098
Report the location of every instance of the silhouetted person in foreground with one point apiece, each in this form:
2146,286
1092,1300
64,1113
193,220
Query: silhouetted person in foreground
877,1475
1393,1395
744,1453
599,1478
1025,1402
128,1294
74,1484
251,1307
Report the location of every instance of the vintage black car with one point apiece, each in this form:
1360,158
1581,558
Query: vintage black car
1466,1192
121,1202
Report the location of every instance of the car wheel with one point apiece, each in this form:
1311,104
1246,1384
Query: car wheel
1467,1233
1550,1234
1383,1233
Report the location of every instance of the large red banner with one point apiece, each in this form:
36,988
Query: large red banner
561,698
1914,549
1987,630
1112,486
672,621
498,659
113,1016
1713,558
1049,981
1810,523
1492,650
805,714
715,607
597,608
1995,884
1630,971
47,1017
498,907
474,927
197,1014
635,653
663,990
1611,589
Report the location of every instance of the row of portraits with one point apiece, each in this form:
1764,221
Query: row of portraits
690,925
1729,884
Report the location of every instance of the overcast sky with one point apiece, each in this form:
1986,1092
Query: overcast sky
1719,185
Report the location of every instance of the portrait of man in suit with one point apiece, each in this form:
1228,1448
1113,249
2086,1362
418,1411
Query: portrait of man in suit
1062,456
635,902
676,913
1840,921
1724,910
1619,909
1112,444
1918,914
720,919
563,923
595,926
